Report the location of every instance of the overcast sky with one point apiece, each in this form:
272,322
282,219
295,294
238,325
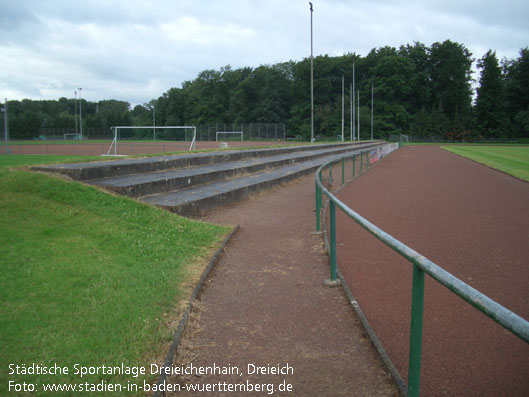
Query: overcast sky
136,50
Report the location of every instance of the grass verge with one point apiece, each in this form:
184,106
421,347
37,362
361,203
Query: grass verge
88,278
513,160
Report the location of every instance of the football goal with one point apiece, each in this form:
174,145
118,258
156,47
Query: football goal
72,137
167,133
228,133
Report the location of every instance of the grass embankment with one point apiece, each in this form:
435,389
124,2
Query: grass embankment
513,160
87,277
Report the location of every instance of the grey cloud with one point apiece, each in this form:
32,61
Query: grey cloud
135,50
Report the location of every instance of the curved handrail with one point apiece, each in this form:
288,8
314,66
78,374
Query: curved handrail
506,318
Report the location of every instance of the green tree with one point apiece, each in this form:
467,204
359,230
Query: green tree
394,78
450,76
490,102
517,93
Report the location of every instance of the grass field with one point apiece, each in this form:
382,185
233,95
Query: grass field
87,277
513,160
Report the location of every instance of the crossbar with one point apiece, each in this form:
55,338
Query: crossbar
227,132
421,265
114,143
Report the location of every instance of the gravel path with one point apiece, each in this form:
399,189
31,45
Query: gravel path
467,218
266,305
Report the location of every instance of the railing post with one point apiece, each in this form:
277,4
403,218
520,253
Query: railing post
417,305
318,207
367,160
354,165
343,170
361,162
330,174
332,216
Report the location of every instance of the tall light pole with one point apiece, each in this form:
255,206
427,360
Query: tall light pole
311,81
75,110
358,95
80,113
351,107
343,104
372,110
154,122
354,101
6,130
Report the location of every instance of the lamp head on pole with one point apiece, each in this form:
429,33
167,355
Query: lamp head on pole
311,6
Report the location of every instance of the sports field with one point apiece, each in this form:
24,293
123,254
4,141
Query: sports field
513,160
127,148
87,277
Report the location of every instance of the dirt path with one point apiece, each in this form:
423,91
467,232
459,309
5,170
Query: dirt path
467,218
266,305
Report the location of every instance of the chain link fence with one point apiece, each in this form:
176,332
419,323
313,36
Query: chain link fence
205,132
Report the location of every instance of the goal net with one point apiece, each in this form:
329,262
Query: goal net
72,137
184,133
404,139
227,134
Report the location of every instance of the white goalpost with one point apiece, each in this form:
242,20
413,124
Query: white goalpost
228,132
72,136
116,129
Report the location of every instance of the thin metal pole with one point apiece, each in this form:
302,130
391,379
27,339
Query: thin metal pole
333,239
358,95
343,170
343,106
351,107
361,162
80,113
372,102
311,81
154,122
417,306
6,127
354,115
75,111
318,205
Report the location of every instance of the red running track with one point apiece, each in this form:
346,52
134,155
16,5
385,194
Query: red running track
467,218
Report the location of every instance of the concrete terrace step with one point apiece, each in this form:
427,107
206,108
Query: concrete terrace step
195,200
190,184
104,169
136,185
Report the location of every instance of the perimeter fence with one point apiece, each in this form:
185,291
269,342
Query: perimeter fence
421,266
468,139
205,132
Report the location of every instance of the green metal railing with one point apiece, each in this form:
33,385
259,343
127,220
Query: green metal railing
421,265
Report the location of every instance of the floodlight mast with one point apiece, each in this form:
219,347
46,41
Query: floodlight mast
75,111
80,113
372,103
351,107
153,122
6,126
311,81
354,121
358,98
343,105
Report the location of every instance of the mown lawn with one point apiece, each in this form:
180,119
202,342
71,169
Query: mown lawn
513,160
87,277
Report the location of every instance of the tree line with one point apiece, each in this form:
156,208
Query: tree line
418,90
